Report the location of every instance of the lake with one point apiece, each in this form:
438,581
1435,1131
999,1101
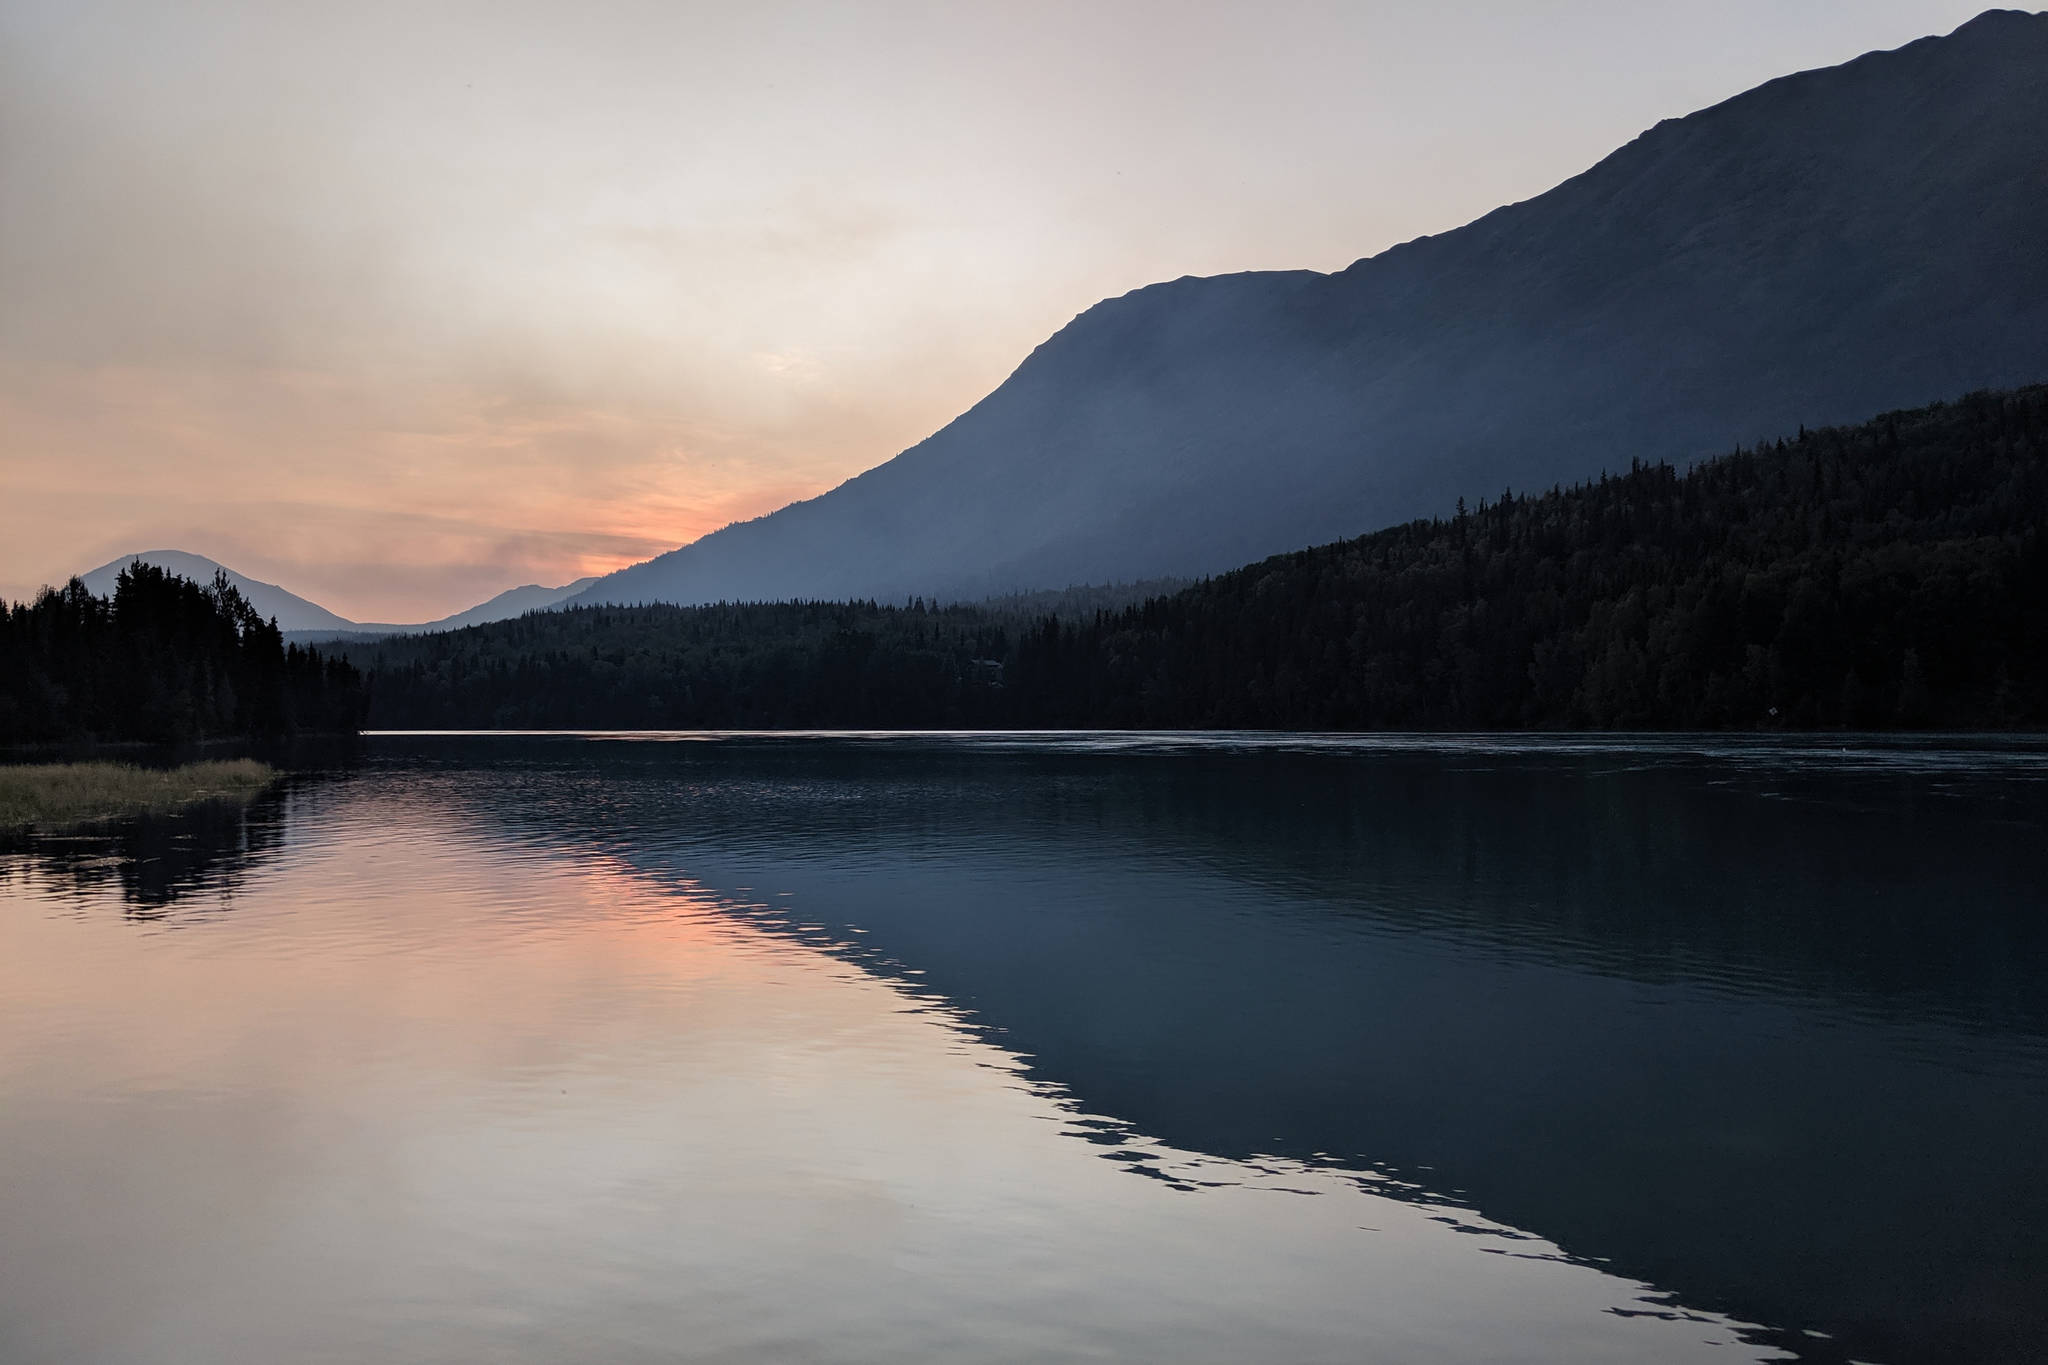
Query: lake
540,1048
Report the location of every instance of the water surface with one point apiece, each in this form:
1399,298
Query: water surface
1040,1048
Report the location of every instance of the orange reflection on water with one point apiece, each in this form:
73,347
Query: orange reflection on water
410,1090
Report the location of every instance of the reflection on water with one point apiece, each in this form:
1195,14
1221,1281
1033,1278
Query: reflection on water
542,1049
155,859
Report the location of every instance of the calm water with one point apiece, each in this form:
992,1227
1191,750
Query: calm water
540,1049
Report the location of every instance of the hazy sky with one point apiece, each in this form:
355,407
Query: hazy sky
403,304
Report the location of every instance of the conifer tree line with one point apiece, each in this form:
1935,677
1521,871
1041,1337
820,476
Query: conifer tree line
1883,576
163,659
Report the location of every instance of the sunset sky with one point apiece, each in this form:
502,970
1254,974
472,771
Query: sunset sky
400,305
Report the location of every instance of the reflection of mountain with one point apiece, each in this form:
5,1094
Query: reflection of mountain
1767,1037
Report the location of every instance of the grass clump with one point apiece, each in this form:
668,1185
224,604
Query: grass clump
56,794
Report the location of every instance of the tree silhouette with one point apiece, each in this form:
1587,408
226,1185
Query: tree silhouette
164,658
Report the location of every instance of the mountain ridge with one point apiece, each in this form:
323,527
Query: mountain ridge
1827,244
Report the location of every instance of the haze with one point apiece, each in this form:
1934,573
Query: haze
401,307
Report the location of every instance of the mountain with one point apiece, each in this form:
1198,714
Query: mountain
1887,575
1830,244
291,611
302,620
507,604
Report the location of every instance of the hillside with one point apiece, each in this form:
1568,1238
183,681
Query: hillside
1828,245
1889,575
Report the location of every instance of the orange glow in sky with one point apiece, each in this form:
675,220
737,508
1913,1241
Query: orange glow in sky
401,306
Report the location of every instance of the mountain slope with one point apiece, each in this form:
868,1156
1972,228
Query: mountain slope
1827,245
507,604
1888,575
306,620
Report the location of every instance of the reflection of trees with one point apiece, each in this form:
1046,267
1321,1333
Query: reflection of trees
1882,890
155,860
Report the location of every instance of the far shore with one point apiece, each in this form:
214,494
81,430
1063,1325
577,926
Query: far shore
58,795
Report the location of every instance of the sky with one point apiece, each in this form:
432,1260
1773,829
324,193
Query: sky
403,304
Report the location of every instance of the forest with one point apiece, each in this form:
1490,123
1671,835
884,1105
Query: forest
164,659
1891,575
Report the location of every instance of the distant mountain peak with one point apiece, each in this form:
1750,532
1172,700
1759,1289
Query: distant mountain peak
291,611
297,616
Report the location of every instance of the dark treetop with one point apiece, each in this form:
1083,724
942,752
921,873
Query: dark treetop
1887,575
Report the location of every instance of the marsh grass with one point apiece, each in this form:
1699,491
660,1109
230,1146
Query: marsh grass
55,794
